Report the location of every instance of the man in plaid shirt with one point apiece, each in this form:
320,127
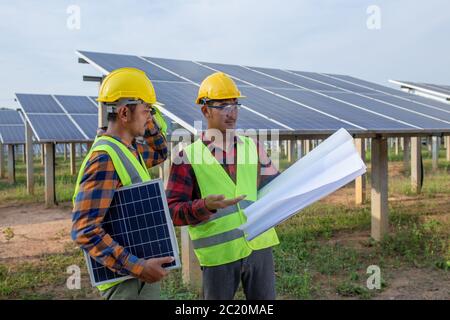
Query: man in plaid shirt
99,180
222,273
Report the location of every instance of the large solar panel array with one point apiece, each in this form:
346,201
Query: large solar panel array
138,219
60,118
12,128
438,90
293,101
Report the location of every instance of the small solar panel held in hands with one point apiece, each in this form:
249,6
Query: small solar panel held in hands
139,220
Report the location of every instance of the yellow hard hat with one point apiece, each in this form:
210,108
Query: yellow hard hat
129,83
218,86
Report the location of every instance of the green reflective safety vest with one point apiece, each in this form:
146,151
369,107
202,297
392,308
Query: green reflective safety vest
127,166
219,240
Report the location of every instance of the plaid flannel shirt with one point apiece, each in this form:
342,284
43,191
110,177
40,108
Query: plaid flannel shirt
97,187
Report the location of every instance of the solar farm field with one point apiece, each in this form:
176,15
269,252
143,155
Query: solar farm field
324,252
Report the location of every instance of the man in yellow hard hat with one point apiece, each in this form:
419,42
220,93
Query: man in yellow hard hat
209,190
117,160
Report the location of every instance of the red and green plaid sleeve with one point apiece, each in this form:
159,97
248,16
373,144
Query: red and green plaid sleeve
154,150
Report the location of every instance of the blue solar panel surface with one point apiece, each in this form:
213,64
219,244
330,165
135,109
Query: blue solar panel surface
111,62
60,118
138,220
332,83
341,110
180,97
434,110
14,134
290,113
249,76
77,104
10,117
54,128
364,83
87,123
39,103
392,93
296,101
187,69
301,81
12,129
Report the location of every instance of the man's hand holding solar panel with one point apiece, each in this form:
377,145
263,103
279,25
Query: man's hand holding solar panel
153,270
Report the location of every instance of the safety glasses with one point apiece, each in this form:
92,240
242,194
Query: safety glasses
227,108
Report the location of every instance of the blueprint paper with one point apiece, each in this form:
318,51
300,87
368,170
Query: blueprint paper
331,165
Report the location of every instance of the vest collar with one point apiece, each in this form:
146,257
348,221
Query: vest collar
131,147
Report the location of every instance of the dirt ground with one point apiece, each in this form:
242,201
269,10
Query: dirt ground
47,231
36,230
416,284
404,283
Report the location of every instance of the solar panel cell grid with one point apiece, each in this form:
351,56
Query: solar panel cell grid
39,103
332,82
392,111
9,117
300,81
87,123
290,113
187,69
55,128
249,76
12,134
77,104
138,220
268,110
111,62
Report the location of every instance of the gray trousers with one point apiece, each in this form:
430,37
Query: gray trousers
255,271
133,289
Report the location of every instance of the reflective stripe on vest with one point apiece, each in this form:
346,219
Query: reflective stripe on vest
219,240
128,168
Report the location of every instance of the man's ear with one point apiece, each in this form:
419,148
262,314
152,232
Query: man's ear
123,113
205,111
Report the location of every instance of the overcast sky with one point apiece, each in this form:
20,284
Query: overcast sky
38,48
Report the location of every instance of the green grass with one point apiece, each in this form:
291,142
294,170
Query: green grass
308,263
46,279
32,280
305,253
17,193
64,182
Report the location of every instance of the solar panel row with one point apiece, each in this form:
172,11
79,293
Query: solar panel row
288,100
291,101
12,129
60,118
